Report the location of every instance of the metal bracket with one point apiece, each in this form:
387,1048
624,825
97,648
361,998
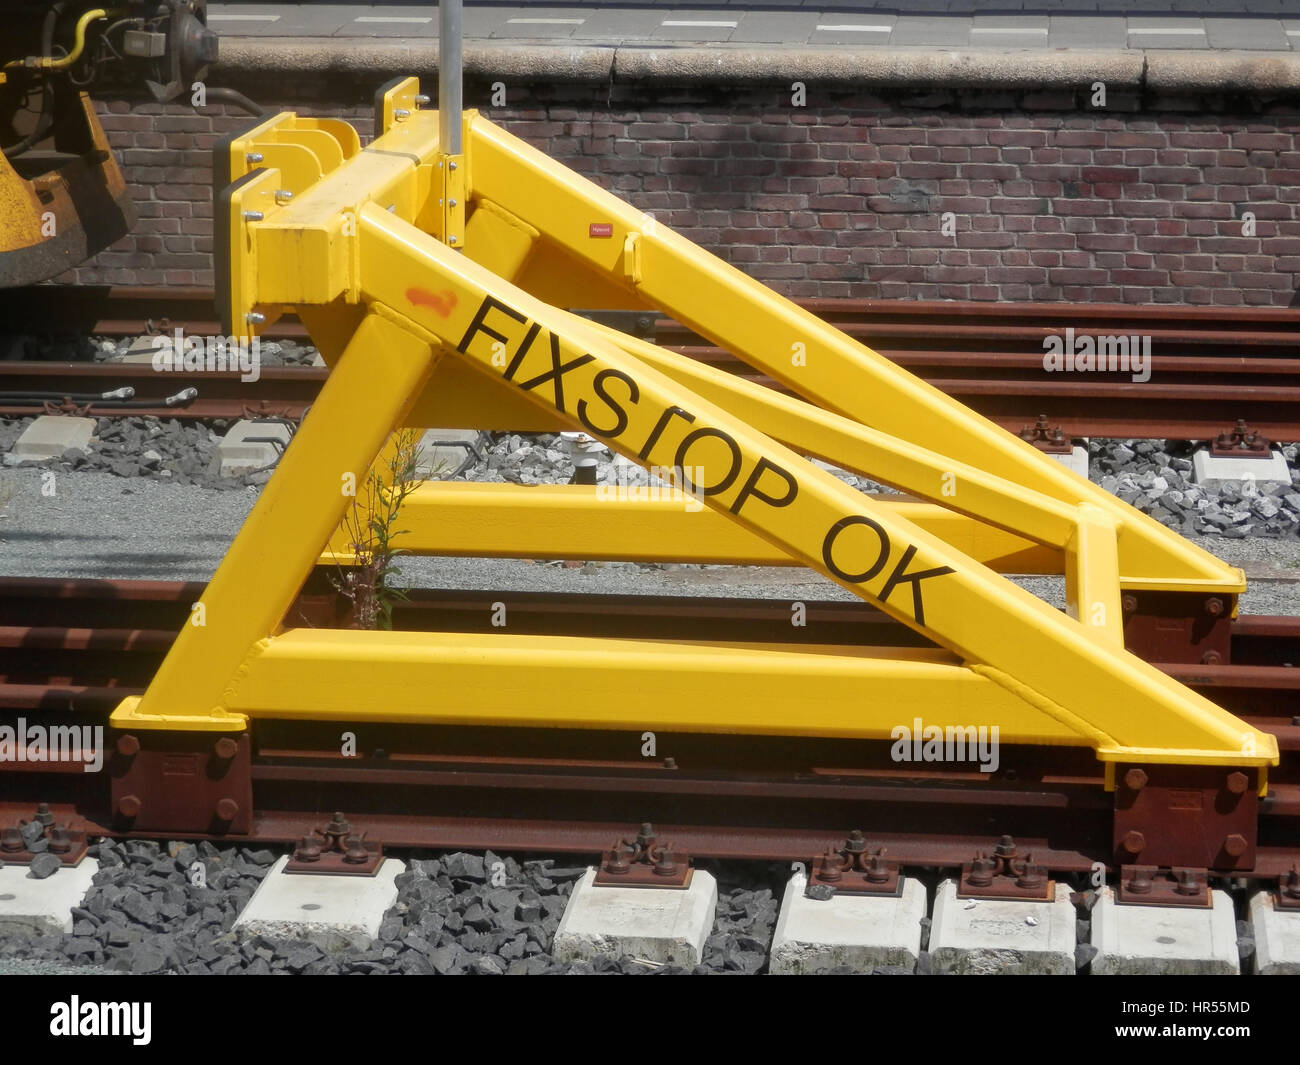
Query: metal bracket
1242,442
192,782
1147,885
1048,438
644,862
854,869
1004,874
1288,889
336,850
64,842
1186,816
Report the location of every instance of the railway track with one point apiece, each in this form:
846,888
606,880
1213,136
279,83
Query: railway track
1210,367
70,650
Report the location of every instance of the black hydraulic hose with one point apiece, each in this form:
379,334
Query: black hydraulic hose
44,119
234,96
81,397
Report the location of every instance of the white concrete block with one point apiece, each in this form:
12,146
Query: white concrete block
43,906
1164,940
1210,472
655,924
999,936
236,454
435,463
318,360
142,349
49,436
333,912
1277,937
863,932
1076,460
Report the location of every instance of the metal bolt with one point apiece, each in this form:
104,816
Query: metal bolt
451,240
1136,779
1237,783
1214,606
981,872
616,861
308,850
421,100
1188,882
253,216
12,840
1006,847
255,318
225,748
128,805
670,762
1128,603
1031,876
665,863
451,203
128,745
283,196
1134,842
832,866
400,113
645,838
1141,882
60,843
253,157
43,816
1235,844
855,844
877,870
355,852
451,165
1211,658
227,809
338,825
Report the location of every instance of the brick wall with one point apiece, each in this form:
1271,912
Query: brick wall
1047,199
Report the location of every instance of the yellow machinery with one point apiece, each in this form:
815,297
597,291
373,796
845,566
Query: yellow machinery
431,279
62,197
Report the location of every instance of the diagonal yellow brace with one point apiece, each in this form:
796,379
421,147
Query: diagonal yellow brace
363,398
784,499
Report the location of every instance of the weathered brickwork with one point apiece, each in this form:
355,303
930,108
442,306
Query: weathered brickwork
933,197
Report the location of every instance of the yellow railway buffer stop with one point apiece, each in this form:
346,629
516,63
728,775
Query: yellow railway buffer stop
434,283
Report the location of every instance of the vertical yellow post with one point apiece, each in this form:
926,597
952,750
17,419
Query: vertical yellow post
365,397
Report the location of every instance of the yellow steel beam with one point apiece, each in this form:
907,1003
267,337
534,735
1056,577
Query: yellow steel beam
789,502
568,681
1092,587
363,398
790,344
647,525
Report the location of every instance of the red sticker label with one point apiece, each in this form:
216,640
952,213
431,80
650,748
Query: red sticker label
600,229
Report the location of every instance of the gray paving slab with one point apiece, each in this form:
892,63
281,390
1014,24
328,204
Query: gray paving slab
693,25
931,30
1077,31
770,27
1246,33
618,24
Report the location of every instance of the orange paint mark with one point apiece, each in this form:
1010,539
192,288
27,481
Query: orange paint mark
442,303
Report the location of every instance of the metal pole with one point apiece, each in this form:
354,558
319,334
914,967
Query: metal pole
449,77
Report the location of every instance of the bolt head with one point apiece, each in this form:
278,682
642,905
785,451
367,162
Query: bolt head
1235,844
1237,783
227,809
225,748
1214,606
129,805
128,745
1134,842
1136,779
